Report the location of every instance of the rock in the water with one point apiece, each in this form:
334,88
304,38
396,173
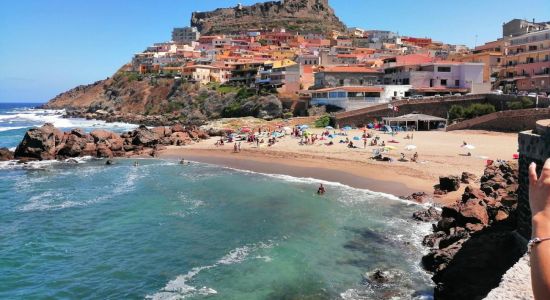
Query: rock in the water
6,154
449,183
39,143
419,197
427,215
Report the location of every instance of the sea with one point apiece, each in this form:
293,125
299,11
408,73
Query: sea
162,230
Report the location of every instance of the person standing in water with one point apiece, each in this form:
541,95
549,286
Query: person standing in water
321,190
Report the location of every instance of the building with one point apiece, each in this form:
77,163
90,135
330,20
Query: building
491,63
335,76
526,62
283,75
518,27
185,35
438,77
244,73
357,97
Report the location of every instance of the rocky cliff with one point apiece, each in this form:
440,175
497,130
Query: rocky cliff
173,99
295,15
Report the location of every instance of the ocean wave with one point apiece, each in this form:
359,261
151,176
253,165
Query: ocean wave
54,200
179,288
56,117
3,129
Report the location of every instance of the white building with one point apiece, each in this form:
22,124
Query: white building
357,97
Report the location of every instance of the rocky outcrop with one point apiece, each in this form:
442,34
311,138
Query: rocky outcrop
5,154
304,16
474,242
160,101
48,142
449,183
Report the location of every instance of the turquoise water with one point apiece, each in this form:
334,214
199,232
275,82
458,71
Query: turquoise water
166,231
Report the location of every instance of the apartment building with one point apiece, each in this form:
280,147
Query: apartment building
526,62
185,35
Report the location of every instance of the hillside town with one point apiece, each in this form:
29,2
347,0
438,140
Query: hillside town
357,68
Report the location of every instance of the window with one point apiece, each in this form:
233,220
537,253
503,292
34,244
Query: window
444,82
341,81
457,82
406,81
431,82
361,81
443,69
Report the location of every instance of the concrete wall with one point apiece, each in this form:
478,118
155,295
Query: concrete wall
507,121
534,146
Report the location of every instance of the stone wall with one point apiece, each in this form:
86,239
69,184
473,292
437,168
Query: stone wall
507,121
534,146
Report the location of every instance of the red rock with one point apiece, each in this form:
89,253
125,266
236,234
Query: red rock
6,154
104,151
472,193
474,227
89,149
177,128
39,143
468,177
501,216
474,213
100,135
116,144
162,131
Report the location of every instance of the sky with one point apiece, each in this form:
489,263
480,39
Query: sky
48,47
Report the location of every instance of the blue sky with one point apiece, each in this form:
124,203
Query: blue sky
47,47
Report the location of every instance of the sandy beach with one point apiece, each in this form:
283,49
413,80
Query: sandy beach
440,153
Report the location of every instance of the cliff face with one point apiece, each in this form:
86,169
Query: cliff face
295,15
127,93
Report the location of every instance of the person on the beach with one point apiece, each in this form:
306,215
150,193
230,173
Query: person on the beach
365,143
239,147
235,148
321,189
415,157
539,201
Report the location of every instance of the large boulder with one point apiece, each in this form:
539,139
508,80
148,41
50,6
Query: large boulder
144,136
468,178
74,146
427,215
180,139
449,183
6,154
162,131
100,135
39,143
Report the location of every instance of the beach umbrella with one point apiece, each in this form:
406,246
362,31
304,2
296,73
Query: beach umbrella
347,128
410,147
287,128
388,148
329,127
302,127
469,147
356,138
331,136
245,129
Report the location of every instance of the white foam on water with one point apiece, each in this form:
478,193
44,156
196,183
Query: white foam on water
56,117
53,200
2,129
179,288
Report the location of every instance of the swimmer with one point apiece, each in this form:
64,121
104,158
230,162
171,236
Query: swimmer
136,164
321,189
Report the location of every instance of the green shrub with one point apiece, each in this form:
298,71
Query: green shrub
527,102
288,115
244,93
322,121
456,112
478,109
514,105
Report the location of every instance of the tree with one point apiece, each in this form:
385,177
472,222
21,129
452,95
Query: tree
456,112
322,121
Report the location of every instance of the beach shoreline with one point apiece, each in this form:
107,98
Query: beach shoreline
440,155
332,170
